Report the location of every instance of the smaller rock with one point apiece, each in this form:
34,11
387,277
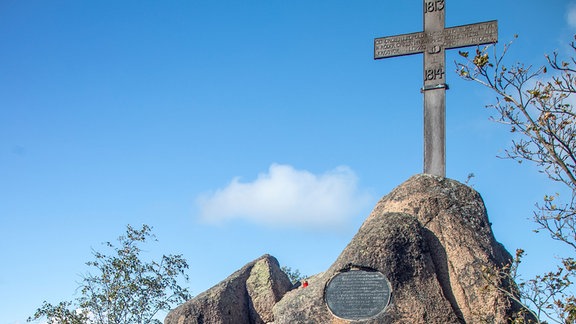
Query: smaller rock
247,296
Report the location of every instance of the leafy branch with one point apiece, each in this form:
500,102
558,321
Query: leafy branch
125,289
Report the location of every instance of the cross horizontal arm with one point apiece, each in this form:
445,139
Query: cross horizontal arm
454,37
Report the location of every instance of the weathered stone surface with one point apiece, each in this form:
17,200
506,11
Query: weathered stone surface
461,241
395,245
247,296
266,285
430,237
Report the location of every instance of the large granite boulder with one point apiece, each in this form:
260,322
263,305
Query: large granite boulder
246,296
461,240
431,238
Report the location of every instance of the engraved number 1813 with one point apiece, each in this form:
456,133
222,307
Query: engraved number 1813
432,6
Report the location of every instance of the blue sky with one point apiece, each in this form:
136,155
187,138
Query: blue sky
234,129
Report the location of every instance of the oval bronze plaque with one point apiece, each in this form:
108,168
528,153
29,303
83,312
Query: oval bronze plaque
357,294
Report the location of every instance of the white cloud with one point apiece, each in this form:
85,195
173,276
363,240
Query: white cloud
285,196
571,15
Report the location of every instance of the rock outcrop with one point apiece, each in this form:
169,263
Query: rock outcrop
395,245
246,296
461,240
430,237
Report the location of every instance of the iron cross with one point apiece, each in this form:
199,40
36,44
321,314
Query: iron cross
432,42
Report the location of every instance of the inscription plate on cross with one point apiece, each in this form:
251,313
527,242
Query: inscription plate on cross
433,42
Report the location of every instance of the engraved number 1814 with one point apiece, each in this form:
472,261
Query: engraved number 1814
432,6
433,74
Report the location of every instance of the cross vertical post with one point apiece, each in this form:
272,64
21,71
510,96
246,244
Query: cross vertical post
434,91
433,42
